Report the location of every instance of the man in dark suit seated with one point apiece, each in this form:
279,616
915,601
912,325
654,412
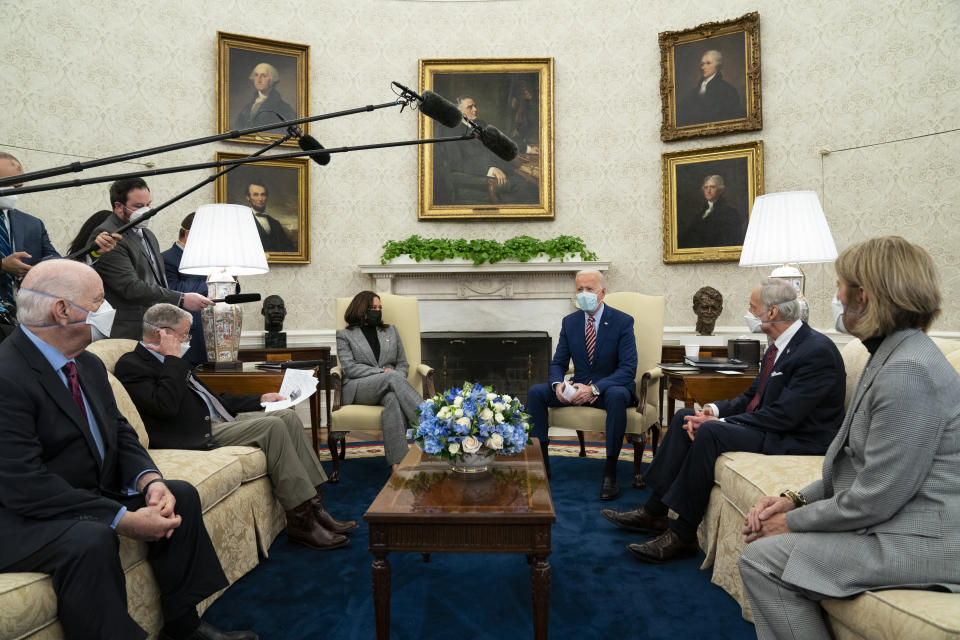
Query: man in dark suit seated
600,341
793,407
73,473
180,412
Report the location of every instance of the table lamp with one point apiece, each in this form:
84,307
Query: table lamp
223,243
788,227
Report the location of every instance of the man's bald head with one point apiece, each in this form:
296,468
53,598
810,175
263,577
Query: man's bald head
58,279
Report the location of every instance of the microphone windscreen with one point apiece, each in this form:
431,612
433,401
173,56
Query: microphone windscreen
309,143
237,298
493,139
440,109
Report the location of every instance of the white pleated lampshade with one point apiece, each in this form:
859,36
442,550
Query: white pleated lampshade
787,227
224,238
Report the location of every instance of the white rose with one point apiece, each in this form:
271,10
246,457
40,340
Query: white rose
458,401
453,448
444,413
486,415
464,422
458,413
471,445
495,442
499,418
491,397
499,406
507,399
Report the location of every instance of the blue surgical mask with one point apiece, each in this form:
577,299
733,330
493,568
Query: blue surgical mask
587,300
8,202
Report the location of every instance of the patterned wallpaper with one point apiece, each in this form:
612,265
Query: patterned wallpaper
95,79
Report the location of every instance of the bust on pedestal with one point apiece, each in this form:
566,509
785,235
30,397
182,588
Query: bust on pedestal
274,311
707,304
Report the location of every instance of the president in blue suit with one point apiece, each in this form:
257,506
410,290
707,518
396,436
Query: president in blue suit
600,341
793,407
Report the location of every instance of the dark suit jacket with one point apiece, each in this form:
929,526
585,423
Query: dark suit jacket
724,227
801,408
51,474
719,102
614,356
30,235
276,239
175,416
273,109
129,281
186,283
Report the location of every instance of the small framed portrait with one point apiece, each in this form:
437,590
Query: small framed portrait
707,198
261,81
278,192
465,180
710,79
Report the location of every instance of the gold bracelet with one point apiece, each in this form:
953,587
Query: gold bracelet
795,496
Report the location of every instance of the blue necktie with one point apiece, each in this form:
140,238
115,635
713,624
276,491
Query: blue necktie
6,280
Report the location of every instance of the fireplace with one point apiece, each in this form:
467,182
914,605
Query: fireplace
509,361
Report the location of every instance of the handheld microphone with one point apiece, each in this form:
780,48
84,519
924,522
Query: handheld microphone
238,298
434,106
309,143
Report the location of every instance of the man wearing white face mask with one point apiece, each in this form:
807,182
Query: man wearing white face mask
180,412
599,340
793,407
75,474
133,274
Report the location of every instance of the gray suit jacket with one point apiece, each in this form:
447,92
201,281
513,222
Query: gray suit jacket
356,357
129,280
886,512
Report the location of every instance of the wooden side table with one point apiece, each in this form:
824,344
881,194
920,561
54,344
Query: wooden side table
257,381
703,387
298,354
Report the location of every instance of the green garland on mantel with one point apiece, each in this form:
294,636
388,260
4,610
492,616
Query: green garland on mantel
519,248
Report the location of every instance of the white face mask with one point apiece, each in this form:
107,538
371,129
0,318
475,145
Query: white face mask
184,347
136,215
587,300
753,322
100,321
8,202
837,307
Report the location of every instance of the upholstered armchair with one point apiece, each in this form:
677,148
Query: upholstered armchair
647,312
403,313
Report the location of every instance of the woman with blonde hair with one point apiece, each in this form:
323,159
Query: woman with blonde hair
886,512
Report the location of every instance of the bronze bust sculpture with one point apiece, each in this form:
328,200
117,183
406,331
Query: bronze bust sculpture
707,304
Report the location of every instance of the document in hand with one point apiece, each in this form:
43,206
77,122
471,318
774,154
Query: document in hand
297,386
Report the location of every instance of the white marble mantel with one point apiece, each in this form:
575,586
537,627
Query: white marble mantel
462,280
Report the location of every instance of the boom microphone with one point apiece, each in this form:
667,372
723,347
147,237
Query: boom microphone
434,106
238,298
494,140
309,143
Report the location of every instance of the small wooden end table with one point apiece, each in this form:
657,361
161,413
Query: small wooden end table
427,508
298,354
703,387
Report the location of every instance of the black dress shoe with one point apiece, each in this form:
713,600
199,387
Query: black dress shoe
664,548
209,632
609,490
637,520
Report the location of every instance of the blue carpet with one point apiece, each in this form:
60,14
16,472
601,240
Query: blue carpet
597,588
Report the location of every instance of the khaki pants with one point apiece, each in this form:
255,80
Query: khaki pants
291,464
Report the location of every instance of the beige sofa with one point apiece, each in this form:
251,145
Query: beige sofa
743,478
239,509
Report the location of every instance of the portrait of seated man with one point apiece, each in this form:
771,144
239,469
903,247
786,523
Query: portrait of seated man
714,223
266,105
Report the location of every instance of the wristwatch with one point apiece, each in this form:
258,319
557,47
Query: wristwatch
596,392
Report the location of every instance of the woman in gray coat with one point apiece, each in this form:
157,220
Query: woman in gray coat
375,371
886,512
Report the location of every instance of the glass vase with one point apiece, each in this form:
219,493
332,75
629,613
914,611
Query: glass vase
471,463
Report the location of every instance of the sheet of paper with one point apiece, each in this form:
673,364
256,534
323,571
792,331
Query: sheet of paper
297,386
730,373
569,391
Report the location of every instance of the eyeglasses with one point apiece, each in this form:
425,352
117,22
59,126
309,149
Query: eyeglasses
184,337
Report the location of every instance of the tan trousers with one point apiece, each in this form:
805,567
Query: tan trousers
291,464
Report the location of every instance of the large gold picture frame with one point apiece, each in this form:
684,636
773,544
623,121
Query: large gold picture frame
708,195
710,79
260,81
283,186
465,181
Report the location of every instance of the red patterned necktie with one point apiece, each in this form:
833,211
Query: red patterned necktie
70,370
591,344
765,373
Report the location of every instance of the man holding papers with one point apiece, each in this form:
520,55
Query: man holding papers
179,412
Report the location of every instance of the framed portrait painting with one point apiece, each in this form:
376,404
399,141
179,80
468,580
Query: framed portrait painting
710,79
261,81
465,180
707,198
278,192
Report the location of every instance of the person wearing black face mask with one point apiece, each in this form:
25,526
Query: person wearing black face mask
375,371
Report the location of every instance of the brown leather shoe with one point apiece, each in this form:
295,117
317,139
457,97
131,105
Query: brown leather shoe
637,520
302,527
326,520
664,548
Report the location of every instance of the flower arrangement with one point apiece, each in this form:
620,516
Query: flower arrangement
471,421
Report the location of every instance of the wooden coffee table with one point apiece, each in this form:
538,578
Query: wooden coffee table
427,508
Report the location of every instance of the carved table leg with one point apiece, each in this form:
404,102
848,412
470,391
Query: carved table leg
381,594
540,587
